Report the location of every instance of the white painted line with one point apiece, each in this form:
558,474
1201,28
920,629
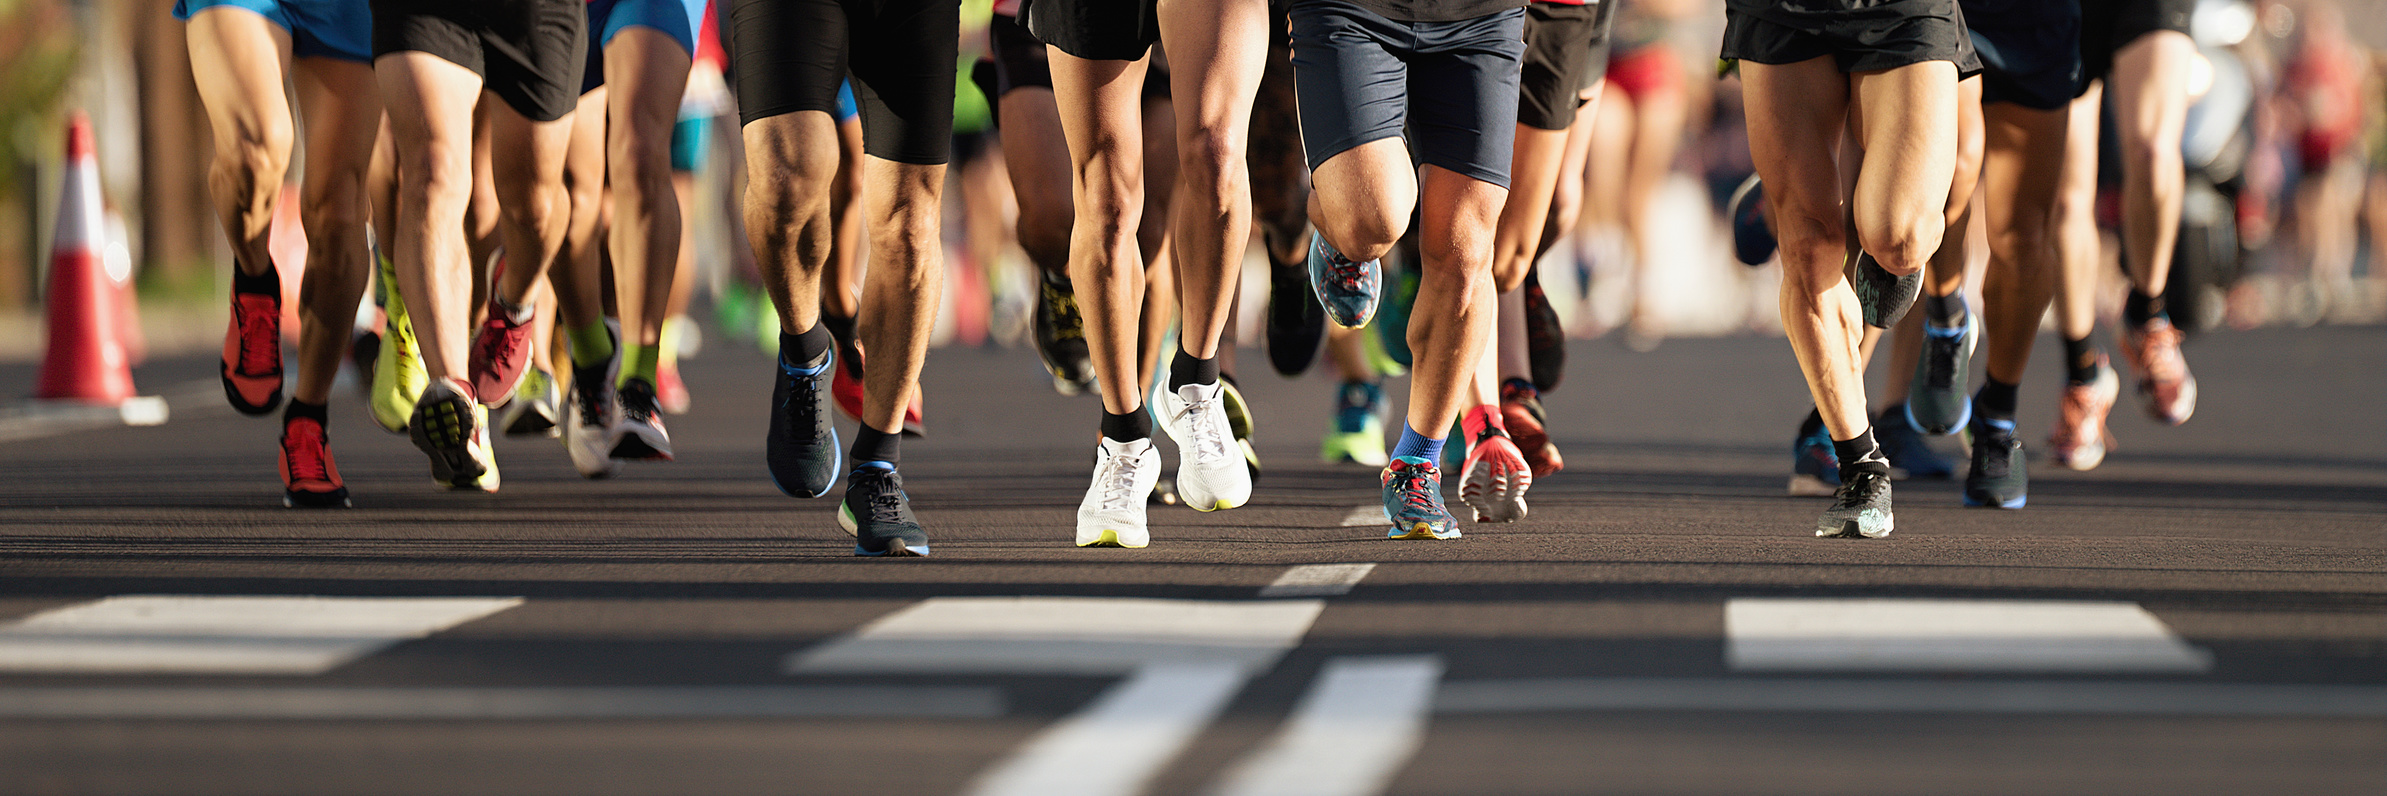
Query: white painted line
1912,696
227,635
1115,745
1317,580
1064,635
1951,635
497,703
1366,515
1354,730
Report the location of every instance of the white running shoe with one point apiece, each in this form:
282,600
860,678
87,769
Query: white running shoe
1211,473
1112,515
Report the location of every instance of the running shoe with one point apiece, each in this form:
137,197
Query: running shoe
591,406
1815,466
500,354
1211,472
398,375
1885,297
2000,476
363,349
1112,515
845,383
671,394
1239,422
1910,456
2080,438
1295,321
1545,336
1860,508
1347,290
1496,478
1937,403
802,446
1521,411
1357,435
879,514
637,433
1752,241
2164,382
1392,330
1413,499
536,409
454,429
309,478
1061,337
1164,492
251,366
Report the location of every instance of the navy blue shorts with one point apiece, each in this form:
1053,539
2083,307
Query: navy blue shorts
2030,50
1453,85
341,29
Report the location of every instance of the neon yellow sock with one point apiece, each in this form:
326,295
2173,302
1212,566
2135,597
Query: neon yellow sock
639,361
591,344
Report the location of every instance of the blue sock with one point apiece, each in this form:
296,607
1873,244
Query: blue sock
1418,445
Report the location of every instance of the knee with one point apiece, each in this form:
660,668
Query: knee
334,208
1363,235
1902,245
786,186
640,157
260,151
1212,164
1112,207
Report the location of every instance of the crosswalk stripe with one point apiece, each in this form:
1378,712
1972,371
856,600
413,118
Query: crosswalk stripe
1317,580
1064,635
1951,635
1358,725
1911,696
285,635
1366,515
500,703
1115,745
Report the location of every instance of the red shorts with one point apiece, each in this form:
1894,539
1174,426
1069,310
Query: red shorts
1645,71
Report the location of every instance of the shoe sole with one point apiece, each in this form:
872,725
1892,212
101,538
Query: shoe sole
452,465
1975,501
1850,530
316,500
1422,530
1479,493
637,447
1110,539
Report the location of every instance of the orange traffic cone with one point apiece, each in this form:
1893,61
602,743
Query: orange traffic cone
86,362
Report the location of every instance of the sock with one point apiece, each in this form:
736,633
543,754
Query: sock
591,344
1128,427
296,409
802,348
269,283
639,362
1946,312
1860,454
1812,425
873,445
2080,360
1476,423
1417,445
1995,401
2141,308
842,329
1187,369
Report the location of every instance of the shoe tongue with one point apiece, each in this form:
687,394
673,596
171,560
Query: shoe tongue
1194,393
1133,447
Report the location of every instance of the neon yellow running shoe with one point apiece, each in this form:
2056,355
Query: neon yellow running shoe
398,374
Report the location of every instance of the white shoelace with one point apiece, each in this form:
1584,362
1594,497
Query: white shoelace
1117,477
1207,430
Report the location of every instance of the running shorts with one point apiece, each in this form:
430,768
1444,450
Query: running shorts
1361,77
341,29
1096,30
1860,35
2106,26
792,54
689,142
528,52
606,18
1646,71
2030,50
1020,61
1566,51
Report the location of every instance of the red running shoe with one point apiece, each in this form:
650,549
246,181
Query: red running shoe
1496,474
252,361
671,394
500,354
309,478
1521,411
2163,378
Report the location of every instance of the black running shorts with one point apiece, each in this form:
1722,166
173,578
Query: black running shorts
2030,50
1096,30
527,52
2106,26
1020,61
1361,77
1566,51
1860,35
792,54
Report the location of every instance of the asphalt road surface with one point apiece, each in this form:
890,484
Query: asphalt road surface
2207,613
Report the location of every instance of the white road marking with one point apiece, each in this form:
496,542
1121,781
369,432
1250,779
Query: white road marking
1912,696
1366,515
497,703
1317,580
1951,635
1116,744
227,635
1358,725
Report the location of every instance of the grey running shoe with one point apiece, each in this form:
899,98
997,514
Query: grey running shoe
1860,509
1938,402
802,444
1884,296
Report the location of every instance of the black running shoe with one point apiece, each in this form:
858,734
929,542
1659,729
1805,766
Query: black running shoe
2000,476
1860,509
1545,338
1910,456
1936,403
879,515
802,447
1295,321
1061,337
1884,296
1752,241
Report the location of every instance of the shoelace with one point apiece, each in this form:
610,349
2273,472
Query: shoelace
885,500
1118,482
1209,445
638,402
592,414
2162,353
1862,489
1346,274
259,346
805,393
1942,370
1418,490
304,448
493,346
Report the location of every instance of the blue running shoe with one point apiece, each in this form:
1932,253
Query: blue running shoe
1413,499
1815,466
1357,435
1752,241
2000,476
1885,297
879,514
1936,402
1910,456
1392,336
802,446
1348,290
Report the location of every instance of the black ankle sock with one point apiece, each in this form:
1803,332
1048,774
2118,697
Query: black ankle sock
2080,360
1860,454
873,445
1946,312
2141,308
1812,424
802,348
1187,369
1127,427
840,328
296,409
1996,399
268,282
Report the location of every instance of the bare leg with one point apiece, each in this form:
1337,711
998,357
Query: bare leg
905,281
1100,103
791,161
2150,91
430,103
645,74
1217,53
2020,179
343,109
240,83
